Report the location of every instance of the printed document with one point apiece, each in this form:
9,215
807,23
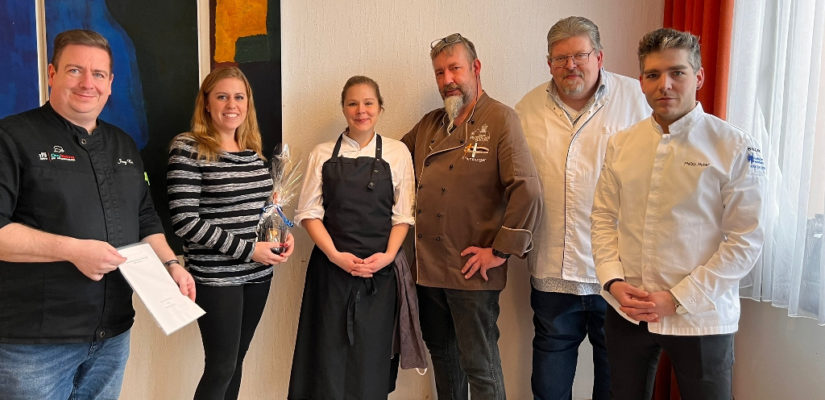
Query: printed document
157,290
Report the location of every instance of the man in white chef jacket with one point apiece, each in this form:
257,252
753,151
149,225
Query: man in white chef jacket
675,226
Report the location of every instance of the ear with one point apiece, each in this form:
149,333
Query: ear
51,71
477,67
700,78
111,79
600,58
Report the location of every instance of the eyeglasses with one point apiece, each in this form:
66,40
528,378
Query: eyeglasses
578,59
447,40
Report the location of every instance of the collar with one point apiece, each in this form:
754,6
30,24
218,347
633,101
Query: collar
480,104
69,125
682,125
351,145
601,92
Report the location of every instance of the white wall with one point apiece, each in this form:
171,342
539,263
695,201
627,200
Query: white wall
326,42
777,357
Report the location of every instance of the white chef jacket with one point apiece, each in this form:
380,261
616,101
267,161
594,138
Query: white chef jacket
568,158
395,153
680,212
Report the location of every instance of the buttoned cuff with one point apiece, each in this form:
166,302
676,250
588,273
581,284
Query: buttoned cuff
517,242
691,296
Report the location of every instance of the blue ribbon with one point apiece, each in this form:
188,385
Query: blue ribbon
286,220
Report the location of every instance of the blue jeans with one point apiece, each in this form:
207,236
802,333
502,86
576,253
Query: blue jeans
63,371
561,322
459,327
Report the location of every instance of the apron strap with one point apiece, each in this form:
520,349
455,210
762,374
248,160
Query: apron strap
373,169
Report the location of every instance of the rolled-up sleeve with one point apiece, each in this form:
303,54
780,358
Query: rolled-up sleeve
404,188
310,202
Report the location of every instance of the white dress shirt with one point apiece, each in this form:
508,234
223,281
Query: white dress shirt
395,153
680,212
568,153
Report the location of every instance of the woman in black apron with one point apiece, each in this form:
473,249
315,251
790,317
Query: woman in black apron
356,205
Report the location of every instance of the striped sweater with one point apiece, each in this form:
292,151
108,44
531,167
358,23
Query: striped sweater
215,206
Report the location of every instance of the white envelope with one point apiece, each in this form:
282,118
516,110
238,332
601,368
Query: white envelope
157,290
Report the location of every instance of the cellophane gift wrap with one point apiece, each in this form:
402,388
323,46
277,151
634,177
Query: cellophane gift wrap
274,224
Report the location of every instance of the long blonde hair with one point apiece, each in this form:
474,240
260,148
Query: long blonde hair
248,135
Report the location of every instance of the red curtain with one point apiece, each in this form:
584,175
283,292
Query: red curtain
712,21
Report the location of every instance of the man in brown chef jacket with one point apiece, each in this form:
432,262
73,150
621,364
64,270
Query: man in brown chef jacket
478,199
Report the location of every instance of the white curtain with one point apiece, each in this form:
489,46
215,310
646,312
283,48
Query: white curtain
776,93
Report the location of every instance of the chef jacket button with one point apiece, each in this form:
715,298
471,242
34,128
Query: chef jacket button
438,238
451,166
420,236
427,164
443,190
419,211
438,215
82,141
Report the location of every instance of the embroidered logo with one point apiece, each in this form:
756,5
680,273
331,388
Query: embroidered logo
480,135
696,164
756,165
127,161
57,154
475,153
62,157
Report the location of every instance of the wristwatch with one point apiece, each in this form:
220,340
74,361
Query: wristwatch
610,283
500,254
170,262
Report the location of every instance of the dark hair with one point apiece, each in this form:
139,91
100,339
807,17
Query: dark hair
362,80
574,26
82,37
666,38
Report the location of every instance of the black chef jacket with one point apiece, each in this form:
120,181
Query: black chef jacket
57,178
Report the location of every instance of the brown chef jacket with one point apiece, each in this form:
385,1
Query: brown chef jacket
477,186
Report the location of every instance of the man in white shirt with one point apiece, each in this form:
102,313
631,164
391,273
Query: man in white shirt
567,122
675,226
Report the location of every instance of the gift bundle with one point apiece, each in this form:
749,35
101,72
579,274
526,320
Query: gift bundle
274,225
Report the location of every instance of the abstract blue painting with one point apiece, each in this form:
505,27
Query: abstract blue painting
125,108
18,45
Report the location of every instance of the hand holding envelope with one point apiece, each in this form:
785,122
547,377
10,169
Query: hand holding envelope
156,288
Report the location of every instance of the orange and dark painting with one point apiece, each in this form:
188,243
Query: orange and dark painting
247,33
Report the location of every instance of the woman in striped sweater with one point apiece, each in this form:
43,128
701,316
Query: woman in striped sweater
217,183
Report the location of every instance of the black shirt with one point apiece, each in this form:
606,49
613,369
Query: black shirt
56,177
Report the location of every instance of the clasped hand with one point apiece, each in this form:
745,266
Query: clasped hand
641,305
362,268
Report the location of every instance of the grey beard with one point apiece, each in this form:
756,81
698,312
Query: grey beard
453,106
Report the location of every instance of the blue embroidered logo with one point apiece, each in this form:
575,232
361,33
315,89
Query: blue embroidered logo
756,164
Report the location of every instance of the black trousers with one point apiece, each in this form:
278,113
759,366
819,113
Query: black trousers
232,314
703,364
